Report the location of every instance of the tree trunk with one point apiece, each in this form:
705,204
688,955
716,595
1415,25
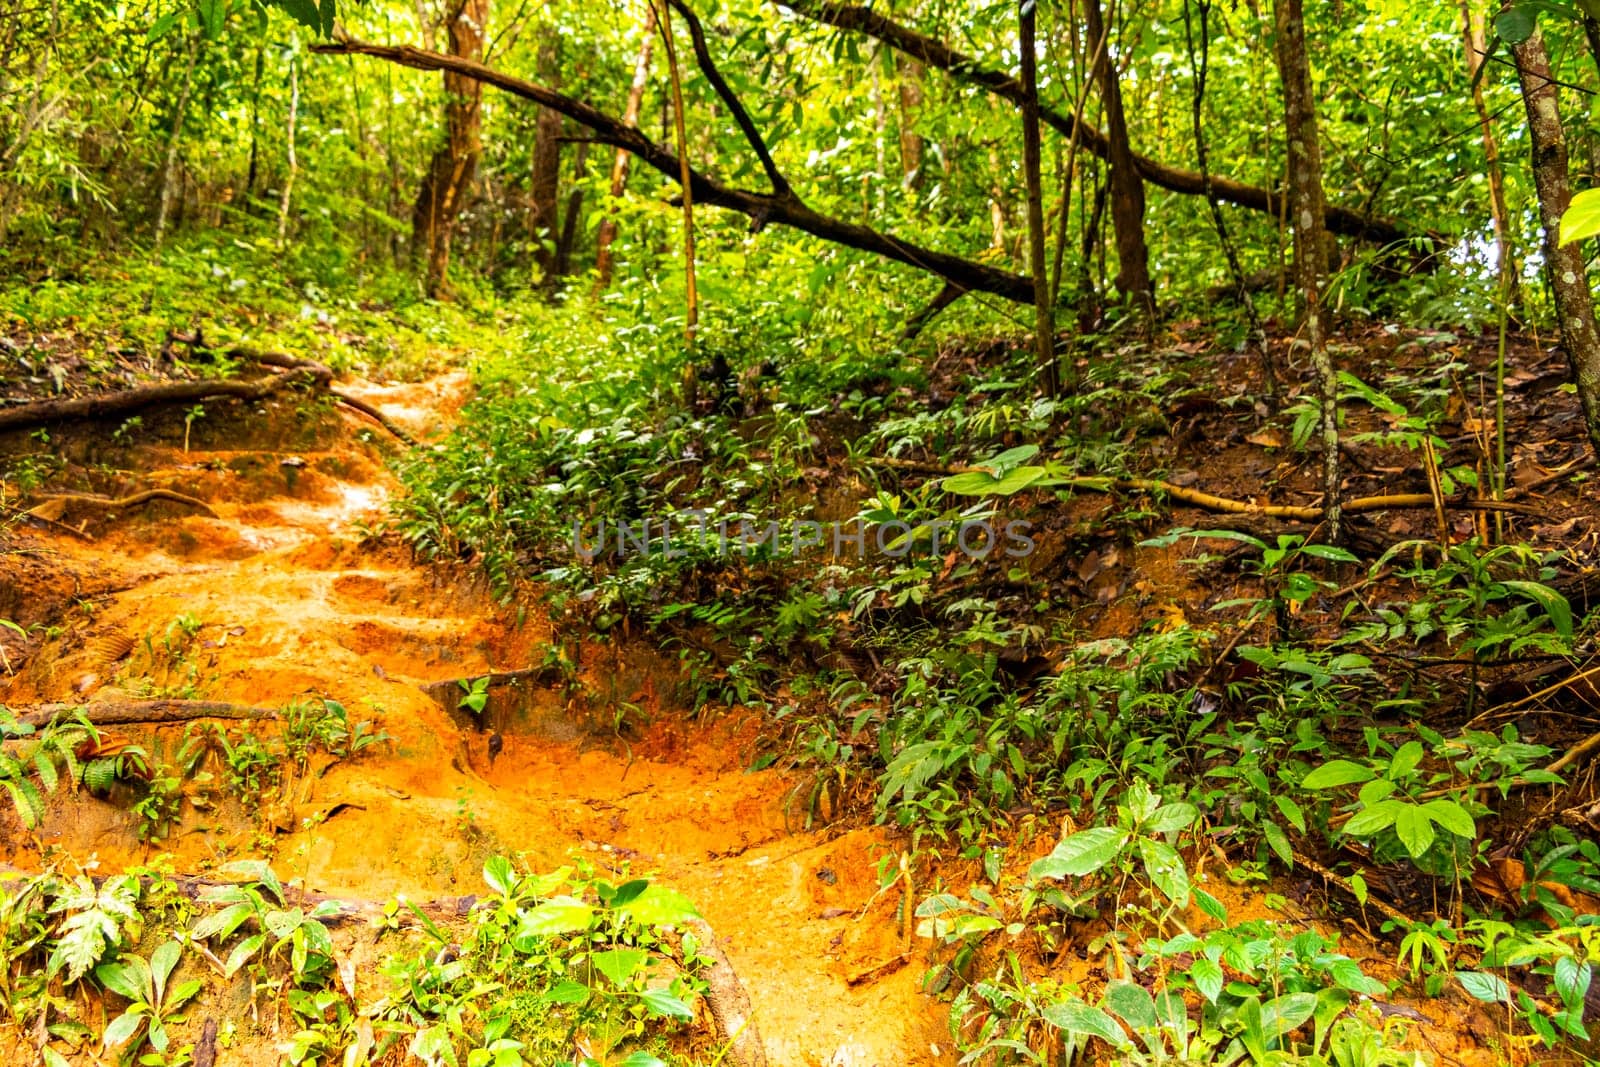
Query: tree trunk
288,181
449,177
1475,49
1310,231
544,181
170,168
1569,281
619,165
572,213
1043,313
1127,187
909,74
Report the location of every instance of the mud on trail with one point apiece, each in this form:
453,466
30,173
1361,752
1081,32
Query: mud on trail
283,594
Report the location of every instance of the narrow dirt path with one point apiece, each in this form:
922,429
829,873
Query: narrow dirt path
283,596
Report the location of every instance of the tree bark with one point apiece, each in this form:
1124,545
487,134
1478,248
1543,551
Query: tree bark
1569,280
1127,187
934,53
1475,49
544,182
288,181
762,208
619,165
170,167
449,178
1310,233
1044,327
571,213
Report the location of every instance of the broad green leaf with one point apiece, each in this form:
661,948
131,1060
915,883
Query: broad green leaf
126,978
1291,811
499,875
1278,841
657,905
559,915
1170,817
619,964
1414,828
568,992
1452,816
1336,773
1133,1004
1211,905
662,1003
1207,977
1554,604
1371,820
1283,1014
1166,870
243,952
636,1058
1405,760
1516,24
1582,217
1348,975
1083,853
1076,1017
1481,985
122,1028
162,961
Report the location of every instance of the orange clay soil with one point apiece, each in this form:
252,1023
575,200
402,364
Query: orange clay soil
294,599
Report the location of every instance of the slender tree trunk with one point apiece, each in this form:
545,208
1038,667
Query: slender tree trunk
1199,46
1474,47
909,74
691,293
453,167
1043,313
288,181
255,126
1127,187
170,168
544,182
619,165
1569,281
571,214
1309,209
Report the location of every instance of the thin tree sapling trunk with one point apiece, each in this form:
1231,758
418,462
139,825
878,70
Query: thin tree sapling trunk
1043,313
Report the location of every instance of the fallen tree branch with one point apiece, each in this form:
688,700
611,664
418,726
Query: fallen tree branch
862,19
142,712
762,208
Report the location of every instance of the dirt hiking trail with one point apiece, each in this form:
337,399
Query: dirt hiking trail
286,594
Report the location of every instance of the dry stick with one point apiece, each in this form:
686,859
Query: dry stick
143,712
44,522
1224,505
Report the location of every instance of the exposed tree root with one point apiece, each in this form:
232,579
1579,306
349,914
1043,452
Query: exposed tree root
144,712
127,401
293,371
729,1003
55,503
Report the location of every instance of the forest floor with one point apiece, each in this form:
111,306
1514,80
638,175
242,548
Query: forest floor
285,591
286,595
